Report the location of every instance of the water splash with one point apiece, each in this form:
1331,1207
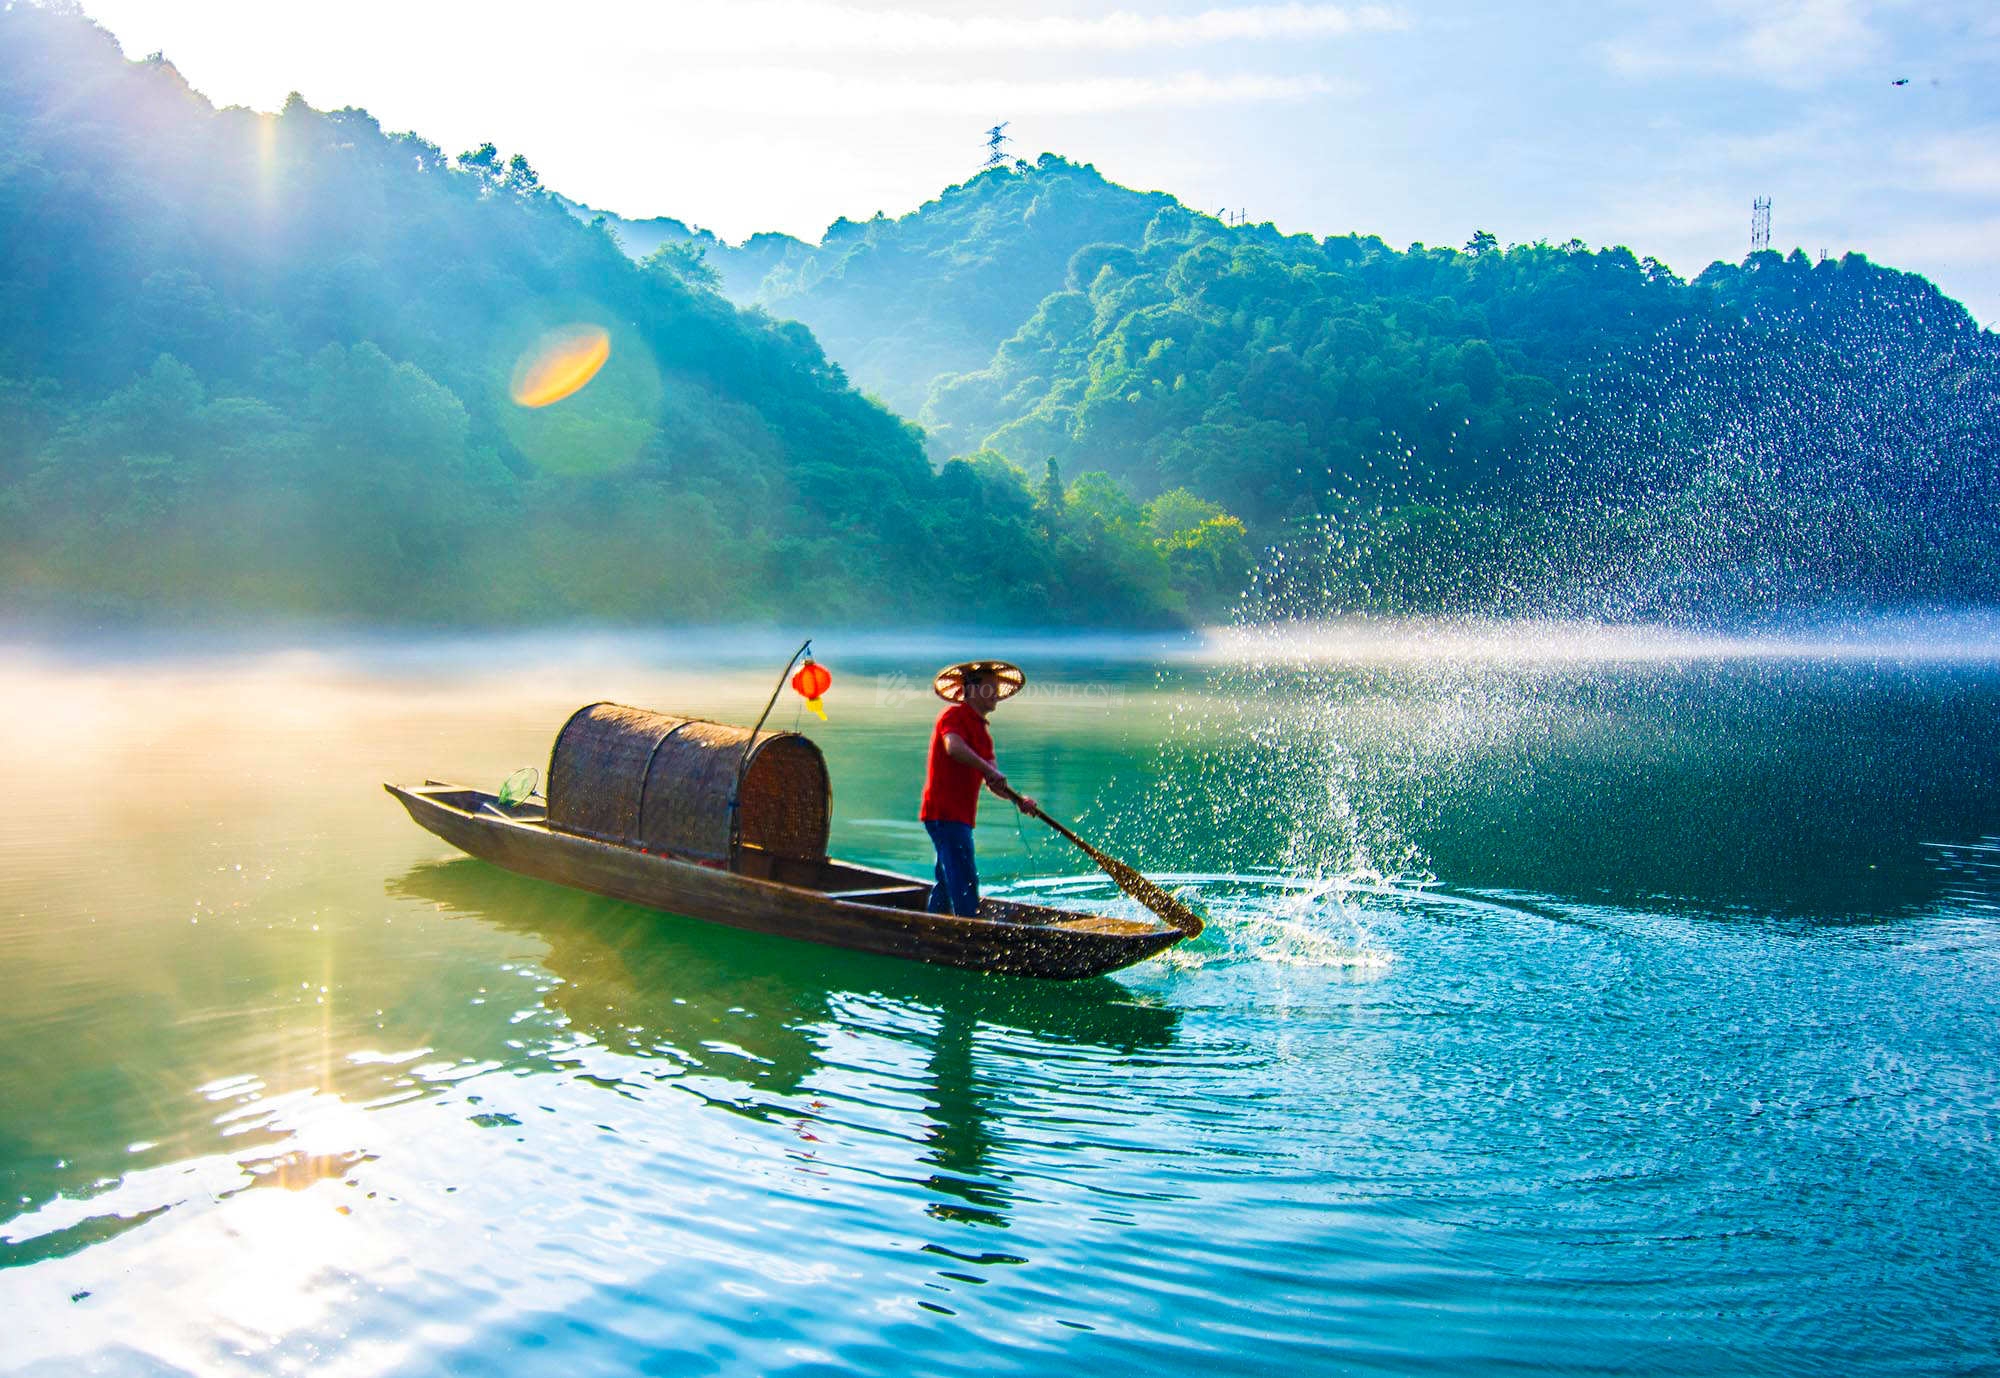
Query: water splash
1818,435
1326,923
1749,488
1970,636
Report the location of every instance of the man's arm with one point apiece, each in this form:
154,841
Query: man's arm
955,747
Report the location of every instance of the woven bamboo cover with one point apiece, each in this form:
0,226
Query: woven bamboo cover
652,780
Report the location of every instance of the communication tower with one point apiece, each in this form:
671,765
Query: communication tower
996,141
1234,218
1760,224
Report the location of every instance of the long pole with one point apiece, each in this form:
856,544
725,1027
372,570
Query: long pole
750,745
1129,880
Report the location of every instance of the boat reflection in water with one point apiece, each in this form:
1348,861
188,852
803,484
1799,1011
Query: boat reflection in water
793,1032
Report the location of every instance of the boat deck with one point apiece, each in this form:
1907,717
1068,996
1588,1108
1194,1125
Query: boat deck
820,900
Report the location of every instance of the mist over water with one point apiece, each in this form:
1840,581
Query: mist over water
1575,997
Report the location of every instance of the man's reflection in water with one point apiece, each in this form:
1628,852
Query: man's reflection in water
1039,1023
961,1146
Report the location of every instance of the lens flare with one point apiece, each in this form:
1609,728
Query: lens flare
559,364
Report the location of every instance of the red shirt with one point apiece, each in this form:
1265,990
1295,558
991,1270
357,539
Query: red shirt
951,790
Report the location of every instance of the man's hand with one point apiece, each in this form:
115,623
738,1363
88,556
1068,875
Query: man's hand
999,785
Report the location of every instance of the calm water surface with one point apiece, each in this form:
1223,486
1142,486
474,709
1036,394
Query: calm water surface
1571,1003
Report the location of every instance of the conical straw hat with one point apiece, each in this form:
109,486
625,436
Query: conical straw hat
949,684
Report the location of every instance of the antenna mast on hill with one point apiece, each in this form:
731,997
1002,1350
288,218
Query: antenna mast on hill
996,139
1234,218
1760,224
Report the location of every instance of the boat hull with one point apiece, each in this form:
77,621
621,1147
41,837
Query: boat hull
884,914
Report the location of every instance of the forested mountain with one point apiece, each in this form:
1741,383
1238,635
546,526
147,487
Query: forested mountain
1566,429
1522,426
263,363
1284,366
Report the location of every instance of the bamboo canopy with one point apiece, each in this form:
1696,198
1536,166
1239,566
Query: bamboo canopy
669,784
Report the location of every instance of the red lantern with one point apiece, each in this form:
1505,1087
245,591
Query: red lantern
811,681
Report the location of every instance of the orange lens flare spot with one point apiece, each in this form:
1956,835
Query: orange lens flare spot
560,363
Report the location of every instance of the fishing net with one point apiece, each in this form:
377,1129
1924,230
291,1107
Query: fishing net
519,787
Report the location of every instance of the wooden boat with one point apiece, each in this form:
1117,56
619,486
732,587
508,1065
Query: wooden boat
709,821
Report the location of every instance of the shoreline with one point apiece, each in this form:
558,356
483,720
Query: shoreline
1947,635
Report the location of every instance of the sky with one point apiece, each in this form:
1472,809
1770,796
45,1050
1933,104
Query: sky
1648,125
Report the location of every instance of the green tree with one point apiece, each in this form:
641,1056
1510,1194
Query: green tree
1179,510
684,261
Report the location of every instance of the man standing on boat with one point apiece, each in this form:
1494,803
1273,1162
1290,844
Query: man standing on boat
961,759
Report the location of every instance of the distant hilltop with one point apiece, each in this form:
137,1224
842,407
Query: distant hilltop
994,246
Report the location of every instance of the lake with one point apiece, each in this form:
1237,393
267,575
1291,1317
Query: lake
1574,999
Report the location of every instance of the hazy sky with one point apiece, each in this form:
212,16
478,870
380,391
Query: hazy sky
1647,125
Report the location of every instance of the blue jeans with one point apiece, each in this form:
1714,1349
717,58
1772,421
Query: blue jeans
957,888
